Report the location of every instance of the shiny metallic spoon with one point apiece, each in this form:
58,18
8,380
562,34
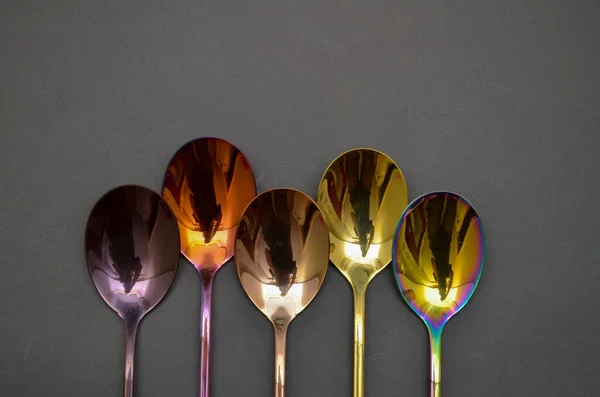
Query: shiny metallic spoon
208,184
281,255
132,254
438,258
362,195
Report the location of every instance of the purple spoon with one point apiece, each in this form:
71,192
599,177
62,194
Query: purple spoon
132,254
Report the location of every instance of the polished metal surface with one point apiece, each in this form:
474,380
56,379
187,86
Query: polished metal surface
439,252
132,254
362,194
208,183
281,255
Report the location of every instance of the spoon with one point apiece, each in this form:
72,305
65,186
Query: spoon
439,251
362,194
281,256
132,254
208,183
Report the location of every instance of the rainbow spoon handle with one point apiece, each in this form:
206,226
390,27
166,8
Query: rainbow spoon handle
435,340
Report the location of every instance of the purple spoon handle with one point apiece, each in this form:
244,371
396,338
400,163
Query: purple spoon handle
206,291
131,326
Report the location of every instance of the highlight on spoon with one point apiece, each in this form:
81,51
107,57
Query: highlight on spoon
131,248
439,251
208,184
281,252
362,194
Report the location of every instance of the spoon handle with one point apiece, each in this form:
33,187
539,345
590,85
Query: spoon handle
206,291
359,341
131,326
435,341
280,337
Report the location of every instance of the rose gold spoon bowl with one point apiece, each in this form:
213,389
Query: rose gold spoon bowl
132,253
208,184
281,255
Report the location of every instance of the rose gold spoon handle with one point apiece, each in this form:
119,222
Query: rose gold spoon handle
280,338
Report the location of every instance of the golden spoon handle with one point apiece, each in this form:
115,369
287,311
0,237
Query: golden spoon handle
280,336
359,341
435,341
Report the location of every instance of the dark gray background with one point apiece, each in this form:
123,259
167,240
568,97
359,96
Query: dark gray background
497,100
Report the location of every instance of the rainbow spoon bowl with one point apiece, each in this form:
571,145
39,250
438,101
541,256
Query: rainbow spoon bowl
438,255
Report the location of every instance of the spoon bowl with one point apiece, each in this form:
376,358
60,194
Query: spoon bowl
132,254
439,251
208,183
362,194
281,256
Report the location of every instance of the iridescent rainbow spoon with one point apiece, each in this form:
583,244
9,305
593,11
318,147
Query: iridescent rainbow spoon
208,184
438,256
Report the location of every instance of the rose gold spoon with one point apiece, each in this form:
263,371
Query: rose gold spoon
281,255
208,184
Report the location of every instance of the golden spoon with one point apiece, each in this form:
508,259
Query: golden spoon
362,195
281,255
